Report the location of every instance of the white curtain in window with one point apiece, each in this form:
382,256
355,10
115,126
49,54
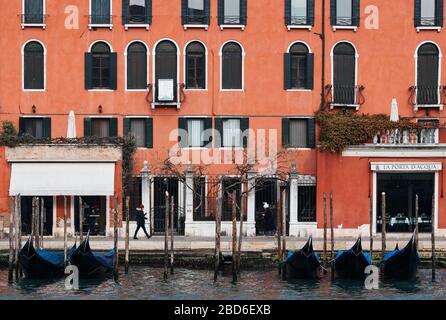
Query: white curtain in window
232,135
100,128
298,133
138,130
195,130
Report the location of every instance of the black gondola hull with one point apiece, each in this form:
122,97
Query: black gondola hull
402,264
350,266
299,266
36,268
88,266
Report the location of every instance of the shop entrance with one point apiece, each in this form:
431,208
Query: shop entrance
95,209
26,211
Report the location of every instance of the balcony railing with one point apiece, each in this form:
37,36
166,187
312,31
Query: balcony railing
232,20
431,21
33,19
344,96
97,20
297,20
165,93
199,19
427,97
412,136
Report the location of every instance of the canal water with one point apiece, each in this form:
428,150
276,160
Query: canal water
148,283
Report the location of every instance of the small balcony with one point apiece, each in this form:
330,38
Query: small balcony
427,97
408,137
166,93
344,96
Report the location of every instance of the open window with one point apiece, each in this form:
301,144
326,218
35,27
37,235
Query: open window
299,65
299,14
428,14
100,67
33,14
136,13
33,66
100,14
136,61
232,13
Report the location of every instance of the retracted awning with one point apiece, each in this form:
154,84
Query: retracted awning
62,179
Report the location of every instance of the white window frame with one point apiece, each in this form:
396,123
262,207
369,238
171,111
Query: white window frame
185,62
309,51
221,67
125,66
440,56
137,25
299,148
427,27
137,117
42,25
356,106
23,67
233,26
89,51
340,27
223,147
154,103
299,26
105,25
196,26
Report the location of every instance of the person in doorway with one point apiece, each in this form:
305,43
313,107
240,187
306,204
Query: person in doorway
141,221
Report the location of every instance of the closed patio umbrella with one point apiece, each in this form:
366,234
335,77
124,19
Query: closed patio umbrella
71,131
394,116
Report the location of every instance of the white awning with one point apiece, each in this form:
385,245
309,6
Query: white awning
62,179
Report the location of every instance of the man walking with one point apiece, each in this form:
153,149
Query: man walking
141,221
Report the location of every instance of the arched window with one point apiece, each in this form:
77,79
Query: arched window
299,63
428,74
100,67
166,73
232,66
136,66
195,66
344,74
33,66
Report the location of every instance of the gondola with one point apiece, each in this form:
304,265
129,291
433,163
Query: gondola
401,264
91,264
351,263
302,264
39,264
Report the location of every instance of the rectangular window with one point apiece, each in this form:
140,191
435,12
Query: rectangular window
298,71
137,13
101,71
33,127
195,12
232,134
344,12
298,133
428,12
100,128
195,128
306,203
34,12
298,12
100,13
232,10
196,70
138,130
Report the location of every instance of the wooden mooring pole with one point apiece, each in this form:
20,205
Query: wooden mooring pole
42,215
234,236
278,228
19,228
127,235
417,214
166,236
383,229
332,236
33,219
115,232
217,238
433,238
37,222
17,237
11,239
283,224
65,235
325,229
172,224
240,235
81,218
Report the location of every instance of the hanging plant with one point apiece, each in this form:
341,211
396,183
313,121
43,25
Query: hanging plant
337,130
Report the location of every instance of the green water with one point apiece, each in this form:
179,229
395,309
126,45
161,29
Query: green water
148,283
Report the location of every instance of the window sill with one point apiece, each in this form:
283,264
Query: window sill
231,148
298,149
427,106
196,26
299,90
136,90
91,26
34,25
196,90
33,90
129,25
297,26
100,90
232,90
232,26
428,28
354,28
166,104
195,148
333,105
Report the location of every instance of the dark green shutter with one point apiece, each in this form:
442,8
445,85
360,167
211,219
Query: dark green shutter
285,132
46,127
113,127
356,12
22,125
310,17
126,127
439,13
310,71
125,11
244,12
113,70
218,125
333,12
88,71
182,133
244,127
207,140
184,11
87,127
148,11
417,13
149,133
287,12
207,11
221,12
287,71
311,129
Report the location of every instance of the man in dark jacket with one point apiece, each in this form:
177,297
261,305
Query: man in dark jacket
141,222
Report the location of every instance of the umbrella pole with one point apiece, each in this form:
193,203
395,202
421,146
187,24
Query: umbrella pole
65,256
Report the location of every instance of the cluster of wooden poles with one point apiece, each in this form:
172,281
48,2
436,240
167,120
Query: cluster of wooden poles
383,230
